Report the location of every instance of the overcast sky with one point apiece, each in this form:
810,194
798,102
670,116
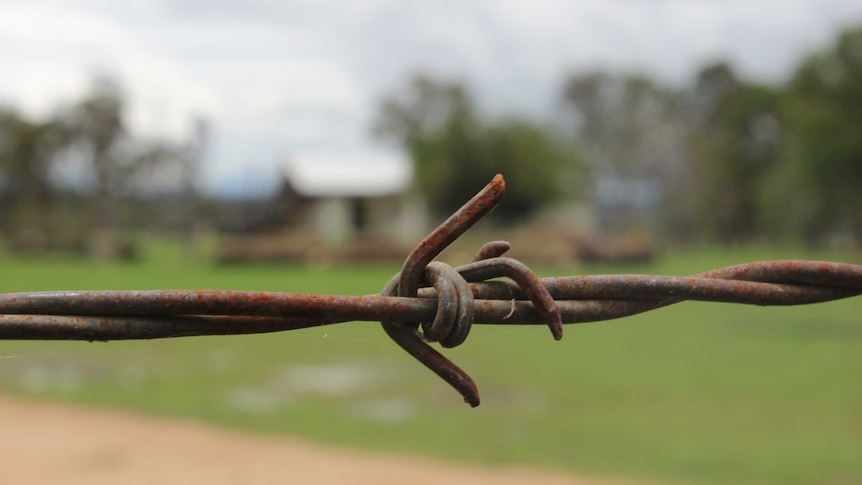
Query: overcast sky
280,79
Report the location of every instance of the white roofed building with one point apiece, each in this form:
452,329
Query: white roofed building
345,198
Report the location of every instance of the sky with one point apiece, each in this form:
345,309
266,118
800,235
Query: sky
297,79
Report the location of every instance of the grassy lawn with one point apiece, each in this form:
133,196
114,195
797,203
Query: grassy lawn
696,392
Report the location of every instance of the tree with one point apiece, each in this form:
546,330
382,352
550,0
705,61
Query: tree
454,151
620,121
736,144
98,127
534,160
28,149
121,164
818,187
628,128
46,210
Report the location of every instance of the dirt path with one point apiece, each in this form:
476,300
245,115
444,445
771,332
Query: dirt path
51,443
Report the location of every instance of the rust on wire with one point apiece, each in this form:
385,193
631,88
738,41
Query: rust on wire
428,301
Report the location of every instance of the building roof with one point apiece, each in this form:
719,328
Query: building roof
366,175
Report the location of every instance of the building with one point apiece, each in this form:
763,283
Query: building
339,199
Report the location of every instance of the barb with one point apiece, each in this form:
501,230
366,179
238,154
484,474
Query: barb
428,301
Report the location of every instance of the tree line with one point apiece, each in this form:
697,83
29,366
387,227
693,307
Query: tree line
721,158
74,181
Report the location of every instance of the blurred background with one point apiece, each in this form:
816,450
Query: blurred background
193,144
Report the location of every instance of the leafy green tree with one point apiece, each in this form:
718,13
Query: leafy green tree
28,149
818,188
736,145
455,152
540,167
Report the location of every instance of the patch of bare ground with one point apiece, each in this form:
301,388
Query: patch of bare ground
55,443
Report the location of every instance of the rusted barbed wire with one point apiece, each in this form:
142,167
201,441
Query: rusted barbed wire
428,301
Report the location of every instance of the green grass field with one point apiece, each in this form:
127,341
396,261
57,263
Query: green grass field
696,392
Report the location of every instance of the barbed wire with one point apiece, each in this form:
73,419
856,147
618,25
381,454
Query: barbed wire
428,301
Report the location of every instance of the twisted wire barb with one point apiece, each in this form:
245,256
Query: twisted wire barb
428,301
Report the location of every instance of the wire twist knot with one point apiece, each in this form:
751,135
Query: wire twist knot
454,316
455,299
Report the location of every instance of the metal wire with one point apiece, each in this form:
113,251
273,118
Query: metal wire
428,301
